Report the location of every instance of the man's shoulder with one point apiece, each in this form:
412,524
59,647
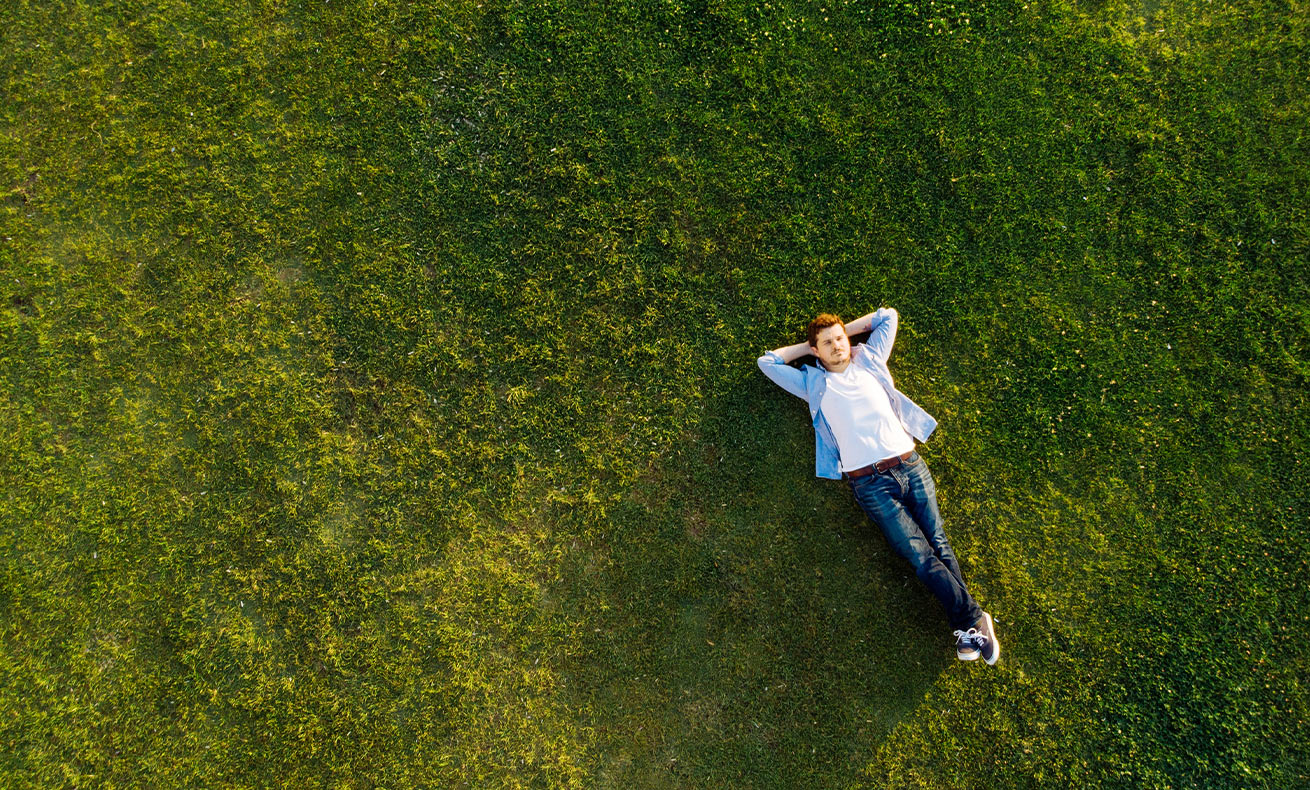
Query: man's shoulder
816,377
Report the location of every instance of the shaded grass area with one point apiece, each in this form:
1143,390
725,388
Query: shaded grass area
381,410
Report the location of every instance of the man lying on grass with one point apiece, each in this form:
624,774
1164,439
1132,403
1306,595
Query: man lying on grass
864,433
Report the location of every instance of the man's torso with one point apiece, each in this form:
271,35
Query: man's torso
862,420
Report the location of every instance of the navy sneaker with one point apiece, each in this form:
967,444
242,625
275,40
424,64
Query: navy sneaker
985,639
964,647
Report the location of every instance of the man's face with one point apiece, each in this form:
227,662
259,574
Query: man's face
833,348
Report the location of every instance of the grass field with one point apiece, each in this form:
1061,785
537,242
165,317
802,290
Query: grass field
380,406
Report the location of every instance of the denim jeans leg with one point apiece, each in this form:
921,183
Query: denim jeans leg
895,500
921,502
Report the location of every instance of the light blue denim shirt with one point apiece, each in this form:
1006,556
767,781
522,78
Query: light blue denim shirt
811,381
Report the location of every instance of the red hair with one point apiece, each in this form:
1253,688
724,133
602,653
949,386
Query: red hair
821,322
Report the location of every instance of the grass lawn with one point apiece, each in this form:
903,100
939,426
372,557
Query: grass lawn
379,405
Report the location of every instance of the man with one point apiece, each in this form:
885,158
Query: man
864,433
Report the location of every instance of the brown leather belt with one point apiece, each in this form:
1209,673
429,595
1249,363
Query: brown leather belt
881,466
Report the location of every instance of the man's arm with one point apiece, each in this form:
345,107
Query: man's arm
790,354
862,324
881,327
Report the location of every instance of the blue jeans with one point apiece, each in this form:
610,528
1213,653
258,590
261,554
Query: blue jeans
903,502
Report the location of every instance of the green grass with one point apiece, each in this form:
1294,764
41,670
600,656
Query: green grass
380,408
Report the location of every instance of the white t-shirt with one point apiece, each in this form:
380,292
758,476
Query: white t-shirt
861,417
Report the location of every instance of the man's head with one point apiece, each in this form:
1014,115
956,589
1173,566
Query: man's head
828,341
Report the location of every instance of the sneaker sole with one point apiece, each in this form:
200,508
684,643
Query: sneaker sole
970,657
996,643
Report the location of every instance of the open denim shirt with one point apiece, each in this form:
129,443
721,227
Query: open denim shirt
811,381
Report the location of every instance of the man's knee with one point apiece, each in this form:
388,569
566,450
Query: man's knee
927,566
917,552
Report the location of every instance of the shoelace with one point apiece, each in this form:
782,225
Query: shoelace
964,636
978,638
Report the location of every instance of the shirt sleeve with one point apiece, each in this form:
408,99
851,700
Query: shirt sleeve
883,333
782,374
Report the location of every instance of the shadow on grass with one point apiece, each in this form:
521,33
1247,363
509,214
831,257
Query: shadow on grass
757,625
